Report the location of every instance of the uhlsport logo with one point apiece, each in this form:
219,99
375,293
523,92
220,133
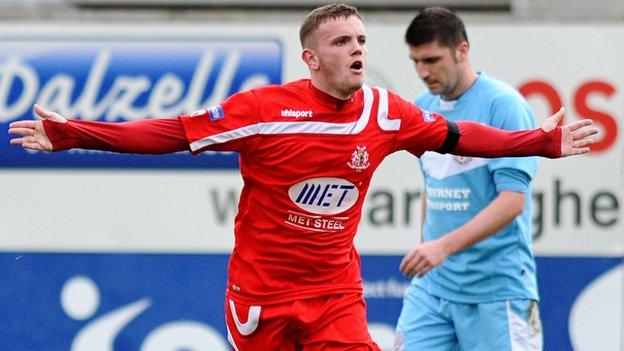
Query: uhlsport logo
124,80
324,195
296,113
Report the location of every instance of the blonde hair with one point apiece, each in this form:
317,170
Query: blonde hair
323,14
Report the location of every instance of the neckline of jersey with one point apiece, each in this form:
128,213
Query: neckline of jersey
331,100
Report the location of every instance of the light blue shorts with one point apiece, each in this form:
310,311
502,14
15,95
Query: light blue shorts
433,324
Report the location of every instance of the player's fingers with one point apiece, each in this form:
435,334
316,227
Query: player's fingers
424,268
403,265
22,124
33,146
46,114
423,271
41,112
23,140
580,151
22,131
584,133
17,141
409,257
579,124
552,121
27,142
409,269
578,144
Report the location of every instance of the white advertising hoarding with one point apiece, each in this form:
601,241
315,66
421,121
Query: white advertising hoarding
578,207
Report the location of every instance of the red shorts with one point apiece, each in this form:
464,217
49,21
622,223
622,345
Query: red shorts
323,323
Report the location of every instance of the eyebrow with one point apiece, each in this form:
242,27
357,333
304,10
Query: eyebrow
426,58
341,37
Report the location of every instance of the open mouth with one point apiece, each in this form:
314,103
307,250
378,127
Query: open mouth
357,66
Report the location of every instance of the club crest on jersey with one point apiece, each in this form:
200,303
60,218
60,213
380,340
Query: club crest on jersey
428,116
462,159
359,159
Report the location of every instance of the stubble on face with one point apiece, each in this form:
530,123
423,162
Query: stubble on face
439,67
342,56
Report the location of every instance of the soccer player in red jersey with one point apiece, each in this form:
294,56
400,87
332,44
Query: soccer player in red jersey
309,149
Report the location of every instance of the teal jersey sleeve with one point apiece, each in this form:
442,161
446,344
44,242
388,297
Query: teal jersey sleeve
510,179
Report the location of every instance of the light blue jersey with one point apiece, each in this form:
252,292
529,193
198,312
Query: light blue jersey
502,266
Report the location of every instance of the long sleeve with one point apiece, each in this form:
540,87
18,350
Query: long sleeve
150,136
483,141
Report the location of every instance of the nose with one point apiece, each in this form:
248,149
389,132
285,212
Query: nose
422,70
358,48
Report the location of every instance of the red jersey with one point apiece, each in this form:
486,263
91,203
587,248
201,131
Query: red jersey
306,160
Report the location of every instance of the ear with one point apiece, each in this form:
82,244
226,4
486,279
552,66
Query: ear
309,57
462,52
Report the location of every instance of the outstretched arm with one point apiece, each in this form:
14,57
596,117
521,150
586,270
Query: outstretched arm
55,133
478,140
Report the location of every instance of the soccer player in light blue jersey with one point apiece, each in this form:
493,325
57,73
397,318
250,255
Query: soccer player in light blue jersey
474,285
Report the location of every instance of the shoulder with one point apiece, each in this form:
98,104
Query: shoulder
498,91
270,97
294,87
425,99
508,108
395,101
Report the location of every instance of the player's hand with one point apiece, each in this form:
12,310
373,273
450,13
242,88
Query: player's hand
423,258
575,139
31,134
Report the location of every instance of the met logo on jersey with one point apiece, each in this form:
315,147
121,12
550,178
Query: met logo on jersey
324,195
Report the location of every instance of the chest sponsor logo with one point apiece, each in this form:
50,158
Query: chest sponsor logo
316,223
448,199
296,113
359,159
324,195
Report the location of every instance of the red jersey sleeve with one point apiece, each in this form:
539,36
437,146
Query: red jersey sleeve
484,141
225,127
420,130
149,136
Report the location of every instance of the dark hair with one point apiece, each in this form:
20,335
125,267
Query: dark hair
436,24
322,14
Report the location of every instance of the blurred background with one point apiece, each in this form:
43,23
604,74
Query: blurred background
104,252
